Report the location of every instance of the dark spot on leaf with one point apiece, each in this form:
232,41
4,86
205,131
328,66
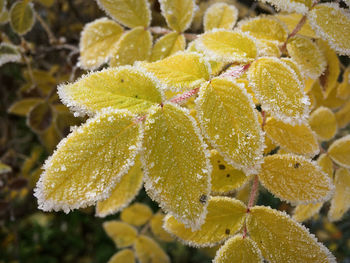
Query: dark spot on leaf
136,96
258,107
227,175
203,199
222,167
297,165
122,80
227,231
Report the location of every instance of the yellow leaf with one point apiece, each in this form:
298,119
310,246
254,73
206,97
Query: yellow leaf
343,89
134,45
265,28
50,138
123,256
98,42
9,53
225,217
307,55
339,151
268,48
22,17
295,67
88,163
270,145
326,164
122,88
23,107
279,90
168,45
332,101
229,121
238,249
123,193
137,214
147,250
323,122
158,230
281,239
220,15
243,194
340,203
304,212
131,13
291,20
181,71
328,79
225,178
295,179
123,234
299,139
343,115
176,162
332,24
178,13
227,46
298,6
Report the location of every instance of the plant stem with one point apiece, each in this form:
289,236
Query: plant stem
253,192
185,96
163,31
51,36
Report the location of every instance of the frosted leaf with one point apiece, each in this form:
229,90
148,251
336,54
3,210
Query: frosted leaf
332,101
340,203
123,256
295,67
229,121
98,42
225,178
279,90
343,115
131,13
158,230
326,165
220,15
265,28
332,24
268,48
307,55
121,233
168,45
304,212
178,13
299,139
339,151
137,214
298,6
225,217
134,45
291,20
295,179
238,249
227,46
281,239
95,156
9,53
123,193
323,122
122,88
22,17
176,164
181,71
147,250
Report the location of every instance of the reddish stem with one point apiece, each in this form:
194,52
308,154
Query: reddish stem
236,72
185,96
252,197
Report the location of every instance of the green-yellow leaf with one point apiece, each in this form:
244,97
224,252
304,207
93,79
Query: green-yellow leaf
220,15
131,13
134,45
225,217
298,6
88,163
122,88
123,256
230,122
2,5
22,17
147,250
332,24
137,214
22,107
238,249
4,168
299,139
304,212
178,13
123,193
307,55
324,123
9,53
295,179
158,231
168,45
176,162
4,17
340,203
279,90
225,178
227,46
181,71
281,239
40,117
265,27
339,151
343,115
123,234
98,42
